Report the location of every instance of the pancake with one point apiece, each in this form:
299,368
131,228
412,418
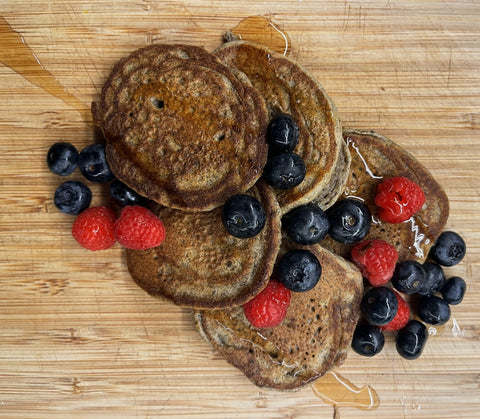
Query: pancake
181,128
373,158
289,88
313,338
201,265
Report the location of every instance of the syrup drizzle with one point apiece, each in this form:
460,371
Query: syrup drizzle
261,30
16,54
337,391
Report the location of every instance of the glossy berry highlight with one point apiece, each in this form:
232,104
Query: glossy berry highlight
398,198
269,307
94,228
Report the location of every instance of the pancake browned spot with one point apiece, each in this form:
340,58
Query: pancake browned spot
313,338
181,128
289,88
201,265
375,157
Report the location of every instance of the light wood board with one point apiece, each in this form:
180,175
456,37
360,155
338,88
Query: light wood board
79,339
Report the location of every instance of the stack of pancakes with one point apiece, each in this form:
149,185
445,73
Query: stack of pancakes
186,128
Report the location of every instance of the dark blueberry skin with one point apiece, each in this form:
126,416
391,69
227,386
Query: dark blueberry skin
306,224
368,340
408,277
299,270
72,197
454,290
243,216
434,279
282,134
93,164
411,339
379,305
62,158
125,195
284,171
433,310
349,221
449,249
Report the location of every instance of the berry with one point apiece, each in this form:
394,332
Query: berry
299,270
398,198
269,307
72,197
349,221
449,249
139,228
411,339
282,134
367,340
402,316
433,310
379,306
306,224
93,164
434,279
125,195
284,171
243,216
94,228
62,158
454,290
408,276
376,260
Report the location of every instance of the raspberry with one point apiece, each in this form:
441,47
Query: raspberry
401,318
398,198
376,260
94,228
269,308
139,228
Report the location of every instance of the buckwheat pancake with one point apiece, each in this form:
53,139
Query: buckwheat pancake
201,265
313,338
181,128
289,88
375,157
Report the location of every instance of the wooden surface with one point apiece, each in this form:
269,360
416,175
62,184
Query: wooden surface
79,339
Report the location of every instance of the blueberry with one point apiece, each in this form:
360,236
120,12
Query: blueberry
93,164
408,276
243,216
125,195
299,270
349,221
367,340
449,249
72,197
433,310
306,224
379,305
285,170
62,158
454,290
282,134
411,339
434,279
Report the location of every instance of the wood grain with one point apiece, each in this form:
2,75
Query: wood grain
79,339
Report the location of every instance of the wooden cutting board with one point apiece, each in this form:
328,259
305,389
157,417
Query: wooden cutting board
79,339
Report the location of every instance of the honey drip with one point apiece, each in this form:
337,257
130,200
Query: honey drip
337,391
16,54
261,30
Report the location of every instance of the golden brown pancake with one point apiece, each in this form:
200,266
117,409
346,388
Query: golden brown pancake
201,265
373,158
181,128
289,88
314,336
